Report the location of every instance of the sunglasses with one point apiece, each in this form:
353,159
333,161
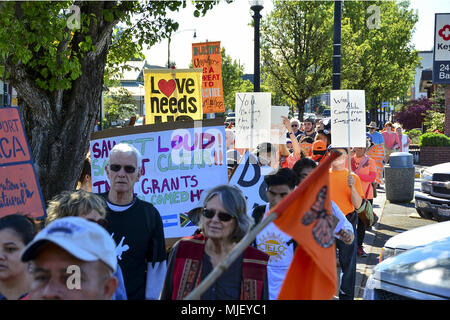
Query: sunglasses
223,216
294,125
101,222
117,167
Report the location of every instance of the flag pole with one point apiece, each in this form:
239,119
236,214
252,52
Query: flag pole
225,264
248,238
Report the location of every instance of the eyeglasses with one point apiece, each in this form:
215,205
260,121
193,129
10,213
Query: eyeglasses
101,222
117,167
223,216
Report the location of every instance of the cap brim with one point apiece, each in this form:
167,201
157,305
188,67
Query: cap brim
32,250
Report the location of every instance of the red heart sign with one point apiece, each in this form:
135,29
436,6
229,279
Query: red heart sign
166,87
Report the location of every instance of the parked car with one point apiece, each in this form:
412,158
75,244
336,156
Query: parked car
434,199
326,113
422,273
417,237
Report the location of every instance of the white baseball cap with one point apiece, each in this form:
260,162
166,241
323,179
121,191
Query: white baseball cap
83,239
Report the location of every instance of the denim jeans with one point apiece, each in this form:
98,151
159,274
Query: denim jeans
347,261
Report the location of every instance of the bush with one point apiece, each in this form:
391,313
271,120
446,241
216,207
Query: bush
413,113
414,135
431,139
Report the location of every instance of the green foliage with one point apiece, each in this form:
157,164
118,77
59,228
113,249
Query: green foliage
414,135
296,49
232,81
434,121
438,98
382,60
434,140
119,107
297,42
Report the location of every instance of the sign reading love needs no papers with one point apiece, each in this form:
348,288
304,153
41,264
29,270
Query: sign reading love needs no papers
172,94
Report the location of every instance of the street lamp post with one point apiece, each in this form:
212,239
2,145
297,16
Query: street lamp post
168,44
337,45
256,6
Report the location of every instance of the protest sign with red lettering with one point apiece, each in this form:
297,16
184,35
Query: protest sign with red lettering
207,56
19,188
180,160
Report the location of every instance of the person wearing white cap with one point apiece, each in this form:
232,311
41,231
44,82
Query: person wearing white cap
72,259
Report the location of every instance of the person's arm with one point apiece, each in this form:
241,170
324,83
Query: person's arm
295,145
166,292
355,194
283,150
344,229
156,259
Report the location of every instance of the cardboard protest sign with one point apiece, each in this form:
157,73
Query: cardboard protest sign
253,116
179,161
249,178
19,188
207,56
278,131
348,118
172,94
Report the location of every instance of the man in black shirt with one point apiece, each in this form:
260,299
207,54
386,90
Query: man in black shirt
309,128
135,225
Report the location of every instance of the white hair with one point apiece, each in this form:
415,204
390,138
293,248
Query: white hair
295,120
127,148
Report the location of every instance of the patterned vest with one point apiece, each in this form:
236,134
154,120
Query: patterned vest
188,263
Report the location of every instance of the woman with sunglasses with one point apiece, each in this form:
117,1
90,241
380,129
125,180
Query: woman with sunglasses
223,223
86,205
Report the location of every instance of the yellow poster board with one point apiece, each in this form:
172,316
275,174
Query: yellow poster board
172,95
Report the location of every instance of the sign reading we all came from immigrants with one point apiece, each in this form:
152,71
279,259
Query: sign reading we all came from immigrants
207,56
348,118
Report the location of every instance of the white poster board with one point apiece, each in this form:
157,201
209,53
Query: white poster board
252,119
179,159
348,118
249,178
278,131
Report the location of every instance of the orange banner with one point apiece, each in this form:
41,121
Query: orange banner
208,57
19,188
13,144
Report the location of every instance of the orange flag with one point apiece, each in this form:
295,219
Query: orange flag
305,214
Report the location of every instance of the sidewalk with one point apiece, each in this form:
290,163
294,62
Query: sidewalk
373,241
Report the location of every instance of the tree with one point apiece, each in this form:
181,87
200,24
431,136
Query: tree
58,70
119,106
232,81
413,113
378,56
296,49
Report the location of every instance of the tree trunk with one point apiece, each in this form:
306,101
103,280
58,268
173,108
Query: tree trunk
58,124
300,109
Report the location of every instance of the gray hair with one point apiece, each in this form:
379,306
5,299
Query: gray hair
235,204
127,148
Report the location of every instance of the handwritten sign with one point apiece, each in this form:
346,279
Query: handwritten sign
253,116
278,131
207,56
179,161
19,188
249,178
172,95
348,118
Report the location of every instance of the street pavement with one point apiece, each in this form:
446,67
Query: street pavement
394,218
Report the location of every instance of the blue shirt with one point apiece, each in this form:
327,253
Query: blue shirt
377,138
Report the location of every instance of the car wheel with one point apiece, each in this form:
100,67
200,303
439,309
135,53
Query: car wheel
425,215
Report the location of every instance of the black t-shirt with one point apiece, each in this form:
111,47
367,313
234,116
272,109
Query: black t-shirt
139,234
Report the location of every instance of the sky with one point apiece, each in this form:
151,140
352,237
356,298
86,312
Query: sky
230,24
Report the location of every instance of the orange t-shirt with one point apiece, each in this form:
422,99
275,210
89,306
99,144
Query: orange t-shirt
340,191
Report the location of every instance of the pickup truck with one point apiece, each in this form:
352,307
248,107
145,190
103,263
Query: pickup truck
433,202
